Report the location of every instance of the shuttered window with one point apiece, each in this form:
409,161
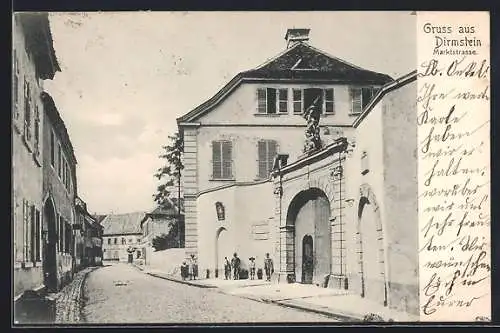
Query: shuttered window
261,100
266,100
222,160
33,234
27,231
297,100
38,236
266,151
355,97
283,100
329,101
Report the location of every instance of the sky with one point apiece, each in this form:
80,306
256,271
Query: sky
126,76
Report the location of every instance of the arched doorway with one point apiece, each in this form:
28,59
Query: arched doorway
309,214
371,249
50,243
222,250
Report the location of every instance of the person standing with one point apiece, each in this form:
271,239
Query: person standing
193,267
184,270
252,268
235,264
227,269
268,267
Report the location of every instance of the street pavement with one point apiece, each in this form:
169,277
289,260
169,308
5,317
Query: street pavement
120,293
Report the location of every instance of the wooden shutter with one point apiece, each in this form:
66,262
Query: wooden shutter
25,230
32,234
216,160
38,236
366,96
272,149
271,100
227,159
261,100
52,149
262,158
355,97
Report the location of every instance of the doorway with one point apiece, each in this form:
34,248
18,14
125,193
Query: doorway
222,250
49,248
130,258
307,260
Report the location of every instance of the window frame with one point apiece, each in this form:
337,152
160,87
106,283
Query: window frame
221,165
268,160
326,101
281,102
295,101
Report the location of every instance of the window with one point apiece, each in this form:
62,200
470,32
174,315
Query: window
59,161
52,149
329,101
35,235
267,150
15,86
297,100
67,238
27,231
37,131
27,111
222,160
123,241
115,241
61,234
283,100
130,240
266,100
360,97
109,241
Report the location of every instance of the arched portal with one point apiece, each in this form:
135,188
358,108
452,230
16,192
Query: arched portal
309,215
222,250
371,249
50,243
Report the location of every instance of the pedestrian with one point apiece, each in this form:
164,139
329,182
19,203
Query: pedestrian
227,268
235,264
193,267
252,268
268,267
184,270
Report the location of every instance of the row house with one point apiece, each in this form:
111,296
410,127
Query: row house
341,215
33,61
122,237
88,239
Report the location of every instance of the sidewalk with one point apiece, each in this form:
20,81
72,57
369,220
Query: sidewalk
331,302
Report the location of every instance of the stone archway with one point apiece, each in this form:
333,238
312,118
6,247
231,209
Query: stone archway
50,245
370,239
308,215
222,250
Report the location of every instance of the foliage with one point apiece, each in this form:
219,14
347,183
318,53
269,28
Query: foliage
169,175
166,241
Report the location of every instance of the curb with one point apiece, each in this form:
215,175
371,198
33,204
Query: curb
181,281
81,296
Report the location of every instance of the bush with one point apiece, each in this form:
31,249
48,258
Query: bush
163,242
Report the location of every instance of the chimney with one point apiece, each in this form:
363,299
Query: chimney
294,36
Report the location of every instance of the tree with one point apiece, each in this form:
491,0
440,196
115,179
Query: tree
170,174
166,241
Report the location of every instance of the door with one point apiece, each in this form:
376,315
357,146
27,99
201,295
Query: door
307,259
130,258
49,248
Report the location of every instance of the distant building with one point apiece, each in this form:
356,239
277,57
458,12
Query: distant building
121,236
88,239
342,214
158,222
33,60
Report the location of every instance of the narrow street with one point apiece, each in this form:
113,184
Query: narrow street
120,293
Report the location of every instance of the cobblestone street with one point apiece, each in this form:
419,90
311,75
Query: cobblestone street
120,293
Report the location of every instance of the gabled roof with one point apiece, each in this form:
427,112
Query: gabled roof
57,122
39,40
99,218
168,209
300,63
123,224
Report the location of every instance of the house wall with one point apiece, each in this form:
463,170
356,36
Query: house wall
63,198
118,251
26,167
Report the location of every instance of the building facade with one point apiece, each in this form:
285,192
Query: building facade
59,189
331,216
122,237
33,60
159,222
88,239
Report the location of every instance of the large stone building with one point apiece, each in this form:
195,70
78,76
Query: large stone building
343,214
122,236
34,60
59,189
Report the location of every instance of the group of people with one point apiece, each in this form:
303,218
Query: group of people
189,269
234,267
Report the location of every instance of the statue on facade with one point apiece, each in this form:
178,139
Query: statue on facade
312,115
